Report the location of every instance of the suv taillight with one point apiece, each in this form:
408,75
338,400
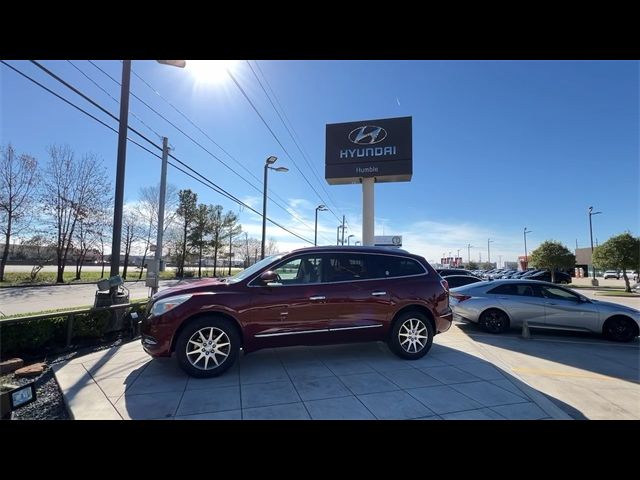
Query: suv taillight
445,285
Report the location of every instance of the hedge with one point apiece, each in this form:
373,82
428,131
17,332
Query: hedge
39,337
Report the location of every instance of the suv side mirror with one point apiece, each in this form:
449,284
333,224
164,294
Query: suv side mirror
269,277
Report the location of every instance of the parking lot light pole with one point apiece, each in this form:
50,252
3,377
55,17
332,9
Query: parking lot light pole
469,252
489,242
322,208
591,213
526,257
267,166
349,239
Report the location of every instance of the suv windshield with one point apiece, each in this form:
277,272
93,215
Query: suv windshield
247,272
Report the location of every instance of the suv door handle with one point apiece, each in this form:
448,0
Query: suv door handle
378,294
319,297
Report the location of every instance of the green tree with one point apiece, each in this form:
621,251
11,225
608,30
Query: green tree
621,252
552,255
201,228
472,265
187,213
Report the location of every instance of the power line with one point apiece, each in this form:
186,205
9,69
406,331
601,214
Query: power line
112,97
212,185
293,214
291,134
274,135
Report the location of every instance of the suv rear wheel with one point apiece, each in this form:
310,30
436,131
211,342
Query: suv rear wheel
207,347
411,336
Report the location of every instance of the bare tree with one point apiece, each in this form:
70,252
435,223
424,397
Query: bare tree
71,191
148,209
272,247
39,254
18,182
233,233
101,232
131,233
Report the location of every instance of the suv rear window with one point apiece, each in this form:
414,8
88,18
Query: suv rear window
390,266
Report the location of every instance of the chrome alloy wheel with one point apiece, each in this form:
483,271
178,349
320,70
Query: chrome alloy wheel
413,335
208,348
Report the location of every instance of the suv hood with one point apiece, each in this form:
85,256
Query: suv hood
204,285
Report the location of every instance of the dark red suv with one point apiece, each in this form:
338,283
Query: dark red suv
311,296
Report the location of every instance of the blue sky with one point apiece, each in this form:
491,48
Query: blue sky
498,145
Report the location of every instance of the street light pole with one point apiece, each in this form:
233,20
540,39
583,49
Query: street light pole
469,252
489,242
120,169
349,239
591,213
270,160
322,208
526,257
159,237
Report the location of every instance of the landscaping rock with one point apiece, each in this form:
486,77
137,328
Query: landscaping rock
32,370
10,365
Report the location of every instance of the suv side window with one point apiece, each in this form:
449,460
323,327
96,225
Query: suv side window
300,270
386,266
344,267
519,289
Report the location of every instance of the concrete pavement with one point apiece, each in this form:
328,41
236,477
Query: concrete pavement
456,380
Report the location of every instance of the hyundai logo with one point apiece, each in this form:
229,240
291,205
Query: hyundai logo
367,135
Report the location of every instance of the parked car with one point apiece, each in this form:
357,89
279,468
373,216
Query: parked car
453,271
503,304
312,296
545,276
460,280
611,274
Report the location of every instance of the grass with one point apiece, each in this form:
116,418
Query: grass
22,278
617,293
62,310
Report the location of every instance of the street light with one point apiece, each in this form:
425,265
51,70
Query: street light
489,242
358,242
270,161
349,239
591,213
322,208
469,252
526,257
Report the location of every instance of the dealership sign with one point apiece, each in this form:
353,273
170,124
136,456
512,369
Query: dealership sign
370,148
387,240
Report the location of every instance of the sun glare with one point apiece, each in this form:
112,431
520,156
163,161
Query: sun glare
210,71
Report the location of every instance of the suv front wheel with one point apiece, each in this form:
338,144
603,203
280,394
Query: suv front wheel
207,347
411,336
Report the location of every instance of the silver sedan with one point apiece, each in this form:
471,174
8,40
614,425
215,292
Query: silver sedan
500,304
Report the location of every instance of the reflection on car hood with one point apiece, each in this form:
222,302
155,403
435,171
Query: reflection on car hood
204,285
614,306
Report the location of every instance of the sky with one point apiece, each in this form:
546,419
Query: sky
497,145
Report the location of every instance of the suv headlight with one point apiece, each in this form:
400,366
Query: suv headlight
164,305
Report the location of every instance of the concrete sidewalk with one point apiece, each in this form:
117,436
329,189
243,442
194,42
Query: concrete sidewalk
455,380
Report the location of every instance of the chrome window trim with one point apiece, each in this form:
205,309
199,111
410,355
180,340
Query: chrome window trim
426,272
337,329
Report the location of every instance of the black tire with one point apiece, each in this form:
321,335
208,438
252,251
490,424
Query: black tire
203,331
620,329
406,335
494,321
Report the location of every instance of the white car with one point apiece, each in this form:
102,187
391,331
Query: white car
611,274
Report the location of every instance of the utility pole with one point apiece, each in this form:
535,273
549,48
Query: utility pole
499,260
489,242
342,230
230,247
338,235
469,252
120,170
162,199
457,257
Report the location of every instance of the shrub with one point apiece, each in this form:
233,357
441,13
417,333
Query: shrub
38,337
